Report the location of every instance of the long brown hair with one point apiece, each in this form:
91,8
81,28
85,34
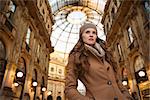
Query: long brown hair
80,54
81,57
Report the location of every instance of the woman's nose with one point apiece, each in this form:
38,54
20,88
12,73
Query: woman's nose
91,34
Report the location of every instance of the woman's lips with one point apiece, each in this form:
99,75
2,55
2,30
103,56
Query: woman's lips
91,39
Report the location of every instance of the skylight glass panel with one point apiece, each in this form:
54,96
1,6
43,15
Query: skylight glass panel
54,41
59,22
56,33
65,34
63,25
69,47
76,17
97,17
103,37
63,20
63,39
60,46
79,26
75,26
74,30
100,33
72,40
63,2
57,17
60,4
52,2
54,7
100,26
68,28
54,27
74,36
63,16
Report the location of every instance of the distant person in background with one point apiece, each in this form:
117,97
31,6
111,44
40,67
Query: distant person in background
93,65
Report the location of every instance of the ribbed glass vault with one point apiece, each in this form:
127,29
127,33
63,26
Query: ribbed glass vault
69,16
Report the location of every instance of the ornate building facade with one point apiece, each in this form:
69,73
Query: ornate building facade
25,28
126,24
56,78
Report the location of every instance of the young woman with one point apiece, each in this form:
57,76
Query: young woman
92,64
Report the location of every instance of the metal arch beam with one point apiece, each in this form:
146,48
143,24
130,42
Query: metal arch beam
64,3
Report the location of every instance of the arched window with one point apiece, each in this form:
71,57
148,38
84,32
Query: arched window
58,97
28,38
146,4
130,34
3,62
119,51
113,13
49,97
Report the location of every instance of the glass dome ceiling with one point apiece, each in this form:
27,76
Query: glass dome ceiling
76,17
68,19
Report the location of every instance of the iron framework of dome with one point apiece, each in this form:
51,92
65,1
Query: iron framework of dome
68,16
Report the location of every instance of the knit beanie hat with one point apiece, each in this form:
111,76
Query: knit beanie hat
85,26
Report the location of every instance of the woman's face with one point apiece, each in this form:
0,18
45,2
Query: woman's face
89,36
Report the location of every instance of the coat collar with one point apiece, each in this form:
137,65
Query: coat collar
97,49
95,52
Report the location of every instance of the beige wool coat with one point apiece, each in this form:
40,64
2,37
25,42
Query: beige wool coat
100,80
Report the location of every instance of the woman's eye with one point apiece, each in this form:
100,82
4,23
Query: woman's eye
87,32
94,32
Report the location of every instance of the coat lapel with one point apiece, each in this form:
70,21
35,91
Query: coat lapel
95,53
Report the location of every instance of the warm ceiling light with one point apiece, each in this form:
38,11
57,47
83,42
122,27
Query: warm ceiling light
124,83
49,92
141,73
20,74
43,89
34,83
16,84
